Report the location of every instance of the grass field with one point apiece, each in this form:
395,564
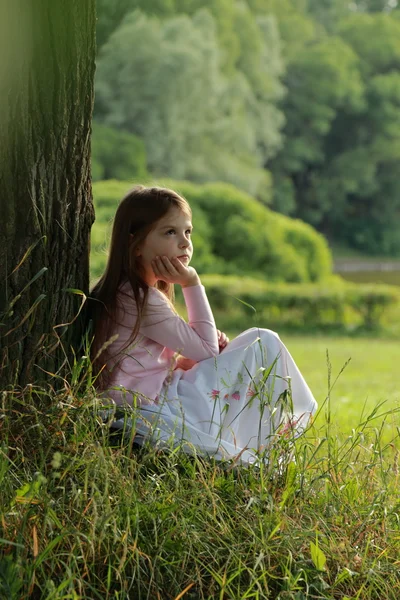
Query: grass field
369,378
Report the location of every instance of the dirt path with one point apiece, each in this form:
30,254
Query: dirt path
347,265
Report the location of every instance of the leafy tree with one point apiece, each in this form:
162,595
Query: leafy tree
47,53
204,126
375,39
223,12
323,77
158,80
329,12
369,142
260,61
376,5
296,28
111,13
303,90
345,183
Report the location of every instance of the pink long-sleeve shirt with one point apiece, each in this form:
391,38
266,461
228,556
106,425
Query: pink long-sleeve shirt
144,365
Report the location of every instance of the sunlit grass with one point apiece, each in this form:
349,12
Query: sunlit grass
84,520
370,377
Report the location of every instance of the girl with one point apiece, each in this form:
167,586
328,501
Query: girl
187,380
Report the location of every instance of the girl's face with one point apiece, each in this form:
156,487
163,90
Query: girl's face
171,237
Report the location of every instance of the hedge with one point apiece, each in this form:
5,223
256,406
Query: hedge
335,303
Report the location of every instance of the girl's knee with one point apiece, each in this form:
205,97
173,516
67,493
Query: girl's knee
264,333
255,336
272,333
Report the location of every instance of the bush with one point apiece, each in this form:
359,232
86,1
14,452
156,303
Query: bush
333,304
310,245
117,154
108,194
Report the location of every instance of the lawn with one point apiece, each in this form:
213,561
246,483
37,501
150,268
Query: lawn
370,377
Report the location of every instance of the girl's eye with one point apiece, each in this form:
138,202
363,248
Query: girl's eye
189,231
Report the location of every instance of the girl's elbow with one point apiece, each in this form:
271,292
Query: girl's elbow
216,351
213,351
207,352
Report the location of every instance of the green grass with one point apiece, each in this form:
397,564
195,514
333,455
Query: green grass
82,519
369,378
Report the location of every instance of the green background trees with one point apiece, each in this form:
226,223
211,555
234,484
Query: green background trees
295,103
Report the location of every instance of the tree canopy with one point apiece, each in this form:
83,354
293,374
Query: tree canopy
294,102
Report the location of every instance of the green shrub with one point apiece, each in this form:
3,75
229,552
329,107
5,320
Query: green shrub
108,194
252,239
332,304
117,154
310,245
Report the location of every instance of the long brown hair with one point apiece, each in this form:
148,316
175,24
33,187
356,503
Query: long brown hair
136,216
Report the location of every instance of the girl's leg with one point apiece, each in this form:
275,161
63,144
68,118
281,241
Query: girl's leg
239,397
269,386
236,400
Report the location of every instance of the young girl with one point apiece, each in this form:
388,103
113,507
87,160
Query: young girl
187,380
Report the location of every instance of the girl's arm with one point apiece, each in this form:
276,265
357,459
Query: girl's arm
197,339
187,363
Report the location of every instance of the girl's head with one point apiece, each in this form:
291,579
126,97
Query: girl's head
149,222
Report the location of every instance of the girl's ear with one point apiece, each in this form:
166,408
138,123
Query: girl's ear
131,239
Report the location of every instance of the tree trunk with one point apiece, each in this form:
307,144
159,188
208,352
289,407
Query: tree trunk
47,64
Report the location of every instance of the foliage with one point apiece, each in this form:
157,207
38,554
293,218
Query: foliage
331,305
107,195
207,124
369,198
256,240
334,65
294,102
117,155
338,167
233,233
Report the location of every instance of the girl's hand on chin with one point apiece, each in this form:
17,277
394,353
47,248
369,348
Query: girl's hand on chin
174,271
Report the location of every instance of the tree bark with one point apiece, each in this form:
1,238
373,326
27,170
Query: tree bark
47,64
